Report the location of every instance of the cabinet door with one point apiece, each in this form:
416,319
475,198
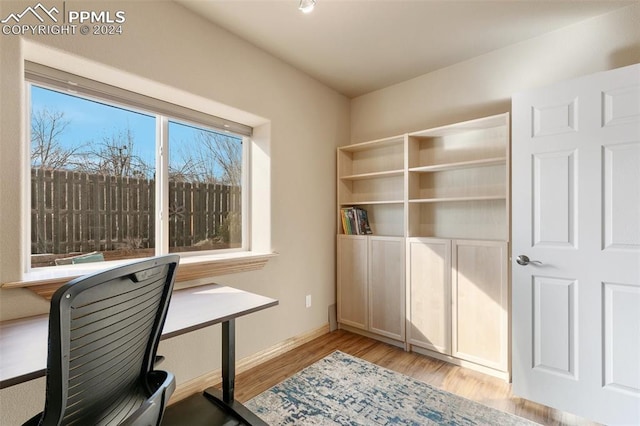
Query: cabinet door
430,293
480,302
386,286
352,280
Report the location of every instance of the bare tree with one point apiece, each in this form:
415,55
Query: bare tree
226,153
47,151
186,171
115,156
212,157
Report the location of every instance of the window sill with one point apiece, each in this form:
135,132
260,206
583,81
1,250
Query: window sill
45,281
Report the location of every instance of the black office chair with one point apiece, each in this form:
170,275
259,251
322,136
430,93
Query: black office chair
104,331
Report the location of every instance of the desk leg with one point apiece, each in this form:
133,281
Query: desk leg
225,399
228,360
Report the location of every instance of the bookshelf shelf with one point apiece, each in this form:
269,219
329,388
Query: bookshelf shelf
372,203
458,199
460,165
374,145
374,175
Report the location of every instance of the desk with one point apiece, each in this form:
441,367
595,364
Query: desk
23,342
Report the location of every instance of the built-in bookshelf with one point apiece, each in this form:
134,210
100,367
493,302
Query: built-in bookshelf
438,198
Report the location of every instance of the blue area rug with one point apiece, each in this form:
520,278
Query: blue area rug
344,390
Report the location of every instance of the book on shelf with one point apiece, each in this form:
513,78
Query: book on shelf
355,221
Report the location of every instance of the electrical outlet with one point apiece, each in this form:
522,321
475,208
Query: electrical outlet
308,301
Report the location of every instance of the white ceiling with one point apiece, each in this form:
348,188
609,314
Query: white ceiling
357,46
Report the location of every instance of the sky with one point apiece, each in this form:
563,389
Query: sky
93,121
90,120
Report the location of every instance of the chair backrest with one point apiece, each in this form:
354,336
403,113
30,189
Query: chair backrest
104,331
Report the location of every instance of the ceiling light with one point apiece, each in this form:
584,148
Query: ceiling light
306,6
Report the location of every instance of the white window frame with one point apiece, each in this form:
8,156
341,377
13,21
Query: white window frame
56,80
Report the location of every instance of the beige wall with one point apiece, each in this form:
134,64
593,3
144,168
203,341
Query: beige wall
483,86
166,45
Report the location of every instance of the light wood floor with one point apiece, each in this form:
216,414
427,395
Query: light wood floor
461,381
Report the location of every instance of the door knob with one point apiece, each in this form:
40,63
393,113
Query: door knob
524,260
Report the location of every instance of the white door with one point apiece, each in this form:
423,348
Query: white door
576,216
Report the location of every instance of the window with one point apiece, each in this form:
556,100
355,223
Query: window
116,175
205,189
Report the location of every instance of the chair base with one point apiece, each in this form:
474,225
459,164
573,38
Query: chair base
208,409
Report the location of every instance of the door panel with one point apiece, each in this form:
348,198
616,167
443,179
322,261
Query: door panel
622,354
554,325
620,106
386,286
549,120
430,293
480,302
352,280
554,199
621,196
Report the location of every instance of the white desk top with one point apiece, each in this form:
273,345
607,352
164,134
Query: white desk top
23,342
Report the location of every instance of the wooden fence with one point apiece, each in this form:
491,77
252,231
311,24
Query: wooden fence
79,212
